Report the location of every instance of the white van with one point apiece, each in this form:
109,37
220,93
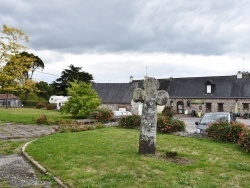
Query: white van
58,100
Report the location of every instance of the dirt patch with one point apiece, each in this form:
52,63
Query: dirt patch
180,160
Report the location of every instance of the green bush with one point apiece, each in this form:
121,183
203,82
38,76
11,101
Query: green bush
167,112
244,140
102,115
223,131
43,119
82,101
73,126
29,103
132,121
40,105
165,124
51,106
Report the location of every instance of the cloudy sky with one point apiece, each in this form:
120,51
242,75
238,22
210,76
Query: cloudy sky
116,39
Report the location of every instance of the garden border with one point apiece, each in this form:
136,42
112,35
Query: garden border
40,167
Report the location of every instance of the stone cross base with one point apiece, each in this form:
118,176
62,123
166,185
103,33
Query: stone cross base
146,148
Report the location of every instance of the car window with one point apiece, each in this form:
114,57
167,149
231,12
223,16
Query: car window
211,118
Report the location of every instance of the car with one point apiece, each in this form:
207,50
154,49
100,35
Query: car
212,117
121,113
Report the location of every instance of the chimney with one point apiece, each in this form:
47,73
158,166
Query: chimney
131,78
239,75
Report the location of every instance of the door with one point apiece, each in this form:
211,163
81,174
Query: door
208,107
180,107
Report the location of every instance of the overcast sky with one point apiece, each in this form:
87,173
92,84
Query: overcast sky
116,39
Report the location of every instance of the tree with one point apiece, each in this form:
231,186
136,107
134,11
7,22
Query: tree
34,63
69,75
10,46
45,90
23,66
83,99
16,67
10,43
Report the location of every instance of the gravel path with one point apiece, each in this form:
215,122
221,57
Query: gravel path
15,169
19,173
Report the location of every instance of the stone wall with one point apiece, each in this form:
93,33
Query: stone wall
228,105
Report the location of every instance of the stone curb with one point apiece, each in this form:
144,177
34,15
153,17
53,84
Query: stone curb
40,167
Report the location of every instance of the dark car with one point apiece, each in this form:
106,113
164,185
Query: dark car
213,117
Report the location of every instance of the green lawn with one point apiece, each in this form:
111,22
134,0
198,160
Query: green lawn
109,158
10,147
28,115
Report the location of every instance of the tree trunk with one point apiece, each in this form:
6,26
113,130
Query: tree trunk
7,99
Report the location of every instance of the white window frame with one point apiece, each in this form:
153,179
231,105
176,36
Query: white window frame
209,89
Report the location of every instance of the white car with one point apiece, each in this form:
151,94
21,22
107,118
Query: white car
121,113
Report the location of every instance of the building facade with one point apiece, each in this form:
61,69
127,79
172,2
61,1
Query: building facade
199,94
11,101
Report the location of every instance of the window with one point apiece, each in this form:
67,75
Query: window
245,106
172,103
209,89
220,107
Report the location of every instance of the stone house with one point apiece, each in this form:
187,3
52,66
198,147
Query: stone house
208,94
13,101
201,94
115,96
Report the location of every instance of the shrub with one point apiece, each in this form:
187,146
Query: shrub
165,124
82,101
51,106
40,105
30,103
73,126
43,119
167,112
132,121
244,140
102,115
222,131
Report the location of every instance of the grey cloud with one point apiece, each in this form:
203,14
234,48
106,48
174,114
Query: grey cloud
190,27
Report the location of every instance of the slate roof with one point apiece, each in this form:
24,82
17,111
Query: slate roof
164,83
225,87
115,93
190,87
195,87
11,96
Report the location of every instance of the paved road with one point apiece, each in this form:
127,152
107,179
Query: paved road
190,122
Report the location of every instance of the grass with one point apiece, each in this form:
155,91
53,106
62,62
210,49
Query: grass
10,147
109,158
28,115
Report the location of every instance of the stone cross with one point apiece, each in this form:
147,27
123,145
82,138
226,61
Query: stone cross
150,98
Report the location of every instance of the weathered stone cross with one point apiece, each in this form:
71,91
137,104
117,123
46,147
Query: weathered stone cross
150,98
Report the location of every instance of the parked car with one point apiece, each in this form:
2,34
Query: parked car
121,113
213,117
246,115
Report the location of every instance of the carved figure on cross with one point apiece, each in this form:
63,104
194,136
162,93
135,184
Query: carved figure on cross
150,97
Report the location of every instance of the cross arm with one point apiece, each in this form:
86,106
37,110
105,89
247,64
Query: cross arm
162,97
138,95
